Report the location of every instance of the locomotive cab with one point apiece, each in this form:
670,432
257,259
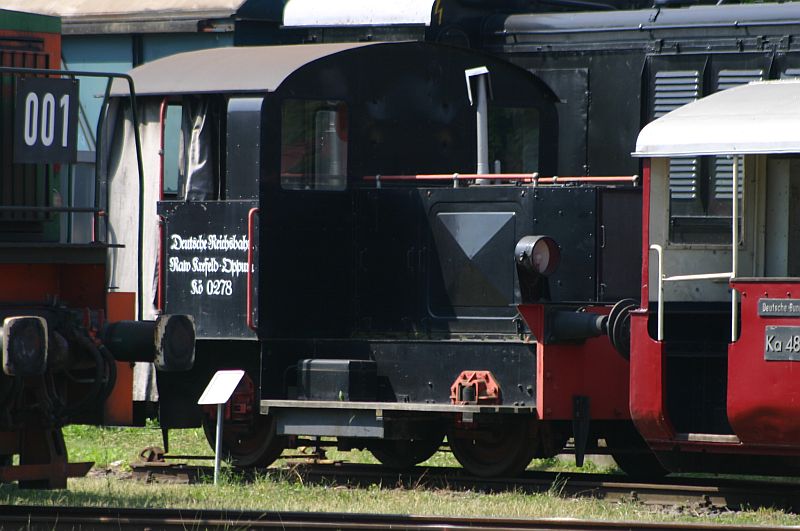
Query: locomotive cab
712,349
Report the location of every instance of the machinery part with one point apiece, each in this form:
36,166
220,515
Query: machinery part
337,379
43,462
168,341
580,426
475,387
24,346
104,378
566,326
254,445
632,454
538,254
619,326
503,449
551,438
406,453
248,438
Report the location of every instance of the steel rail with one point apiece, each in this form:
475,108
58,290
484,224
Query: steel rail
100,518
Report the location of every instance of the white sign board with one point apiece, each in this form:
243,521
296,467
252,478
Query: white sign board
221,387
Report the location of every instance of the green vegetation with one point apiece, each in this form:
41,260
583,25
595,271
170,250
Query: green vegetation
113,448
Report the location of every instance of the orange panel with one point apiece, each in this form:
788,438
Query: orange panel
77,285
121,306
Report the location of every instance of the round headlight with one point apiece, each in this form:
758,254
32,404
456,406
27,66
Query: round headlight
538,254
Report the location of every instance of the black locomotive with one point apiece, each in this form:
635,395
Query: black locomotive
342,225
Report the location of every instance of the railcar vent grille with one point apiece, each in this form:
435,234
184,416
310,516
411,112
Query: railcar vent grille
733,78
674,89
723,166
723,178
683,178
21,184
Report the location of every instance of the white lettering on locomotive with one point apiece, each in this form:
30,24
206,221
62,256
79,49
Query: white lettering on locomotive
221,268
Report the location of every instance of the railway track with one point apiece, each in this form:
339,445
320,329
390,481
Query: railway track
93,518
706,493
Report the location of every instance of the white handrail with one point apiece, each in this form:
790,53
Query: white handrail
706,276
660,252
676,278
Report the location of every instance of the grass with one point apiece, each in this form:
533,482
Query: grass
115,447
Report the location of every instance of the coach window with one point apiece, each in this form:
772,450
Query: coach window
313,145
513,139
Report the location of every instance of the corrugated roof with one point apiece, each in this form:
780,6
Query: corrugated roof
760,117
217,70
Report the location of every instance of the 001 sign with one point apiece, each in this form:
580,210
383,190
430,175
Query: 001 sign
47,125
46,120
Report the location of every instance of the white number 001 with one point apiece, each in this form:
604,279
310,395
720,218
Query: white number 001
44,128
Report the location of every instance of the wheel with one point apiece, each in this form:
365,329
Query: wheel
256,445
404,454
632,454
505,449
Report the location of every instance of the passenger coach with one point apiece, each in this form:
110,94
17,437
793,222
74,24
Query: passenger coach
714,345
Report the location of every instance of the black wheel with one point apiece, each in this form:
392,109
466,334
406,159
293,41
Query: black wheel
254,445
404,454
632,454
504,449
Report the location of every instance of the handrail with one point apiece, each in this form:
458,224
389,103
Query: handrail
678,278
162,255
699,276
137,142
533,178
250,230
734,245
707,276
660,254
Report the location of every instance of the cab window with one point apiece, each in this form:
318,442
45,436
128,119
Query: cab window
313,145
513,139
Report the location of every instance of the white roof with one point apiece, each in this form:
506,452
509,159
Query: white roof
74,8
760,117
356,12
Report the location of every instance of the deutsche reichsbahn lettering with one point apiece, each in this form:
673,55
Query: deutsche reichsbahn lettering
209,275
46,120
782,343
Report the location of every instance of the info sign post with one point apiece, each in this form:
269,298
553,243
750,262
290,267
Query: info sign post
218,391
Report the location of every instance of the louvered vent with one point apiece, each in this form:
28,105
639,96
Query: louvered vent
672,90
733,78
723,166
723,178
22,184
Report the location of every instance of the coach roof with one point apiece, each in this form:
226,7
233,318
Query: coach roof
216,70
760,117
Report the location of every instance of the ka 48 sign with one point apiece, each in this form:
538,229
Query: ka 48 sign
46,120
